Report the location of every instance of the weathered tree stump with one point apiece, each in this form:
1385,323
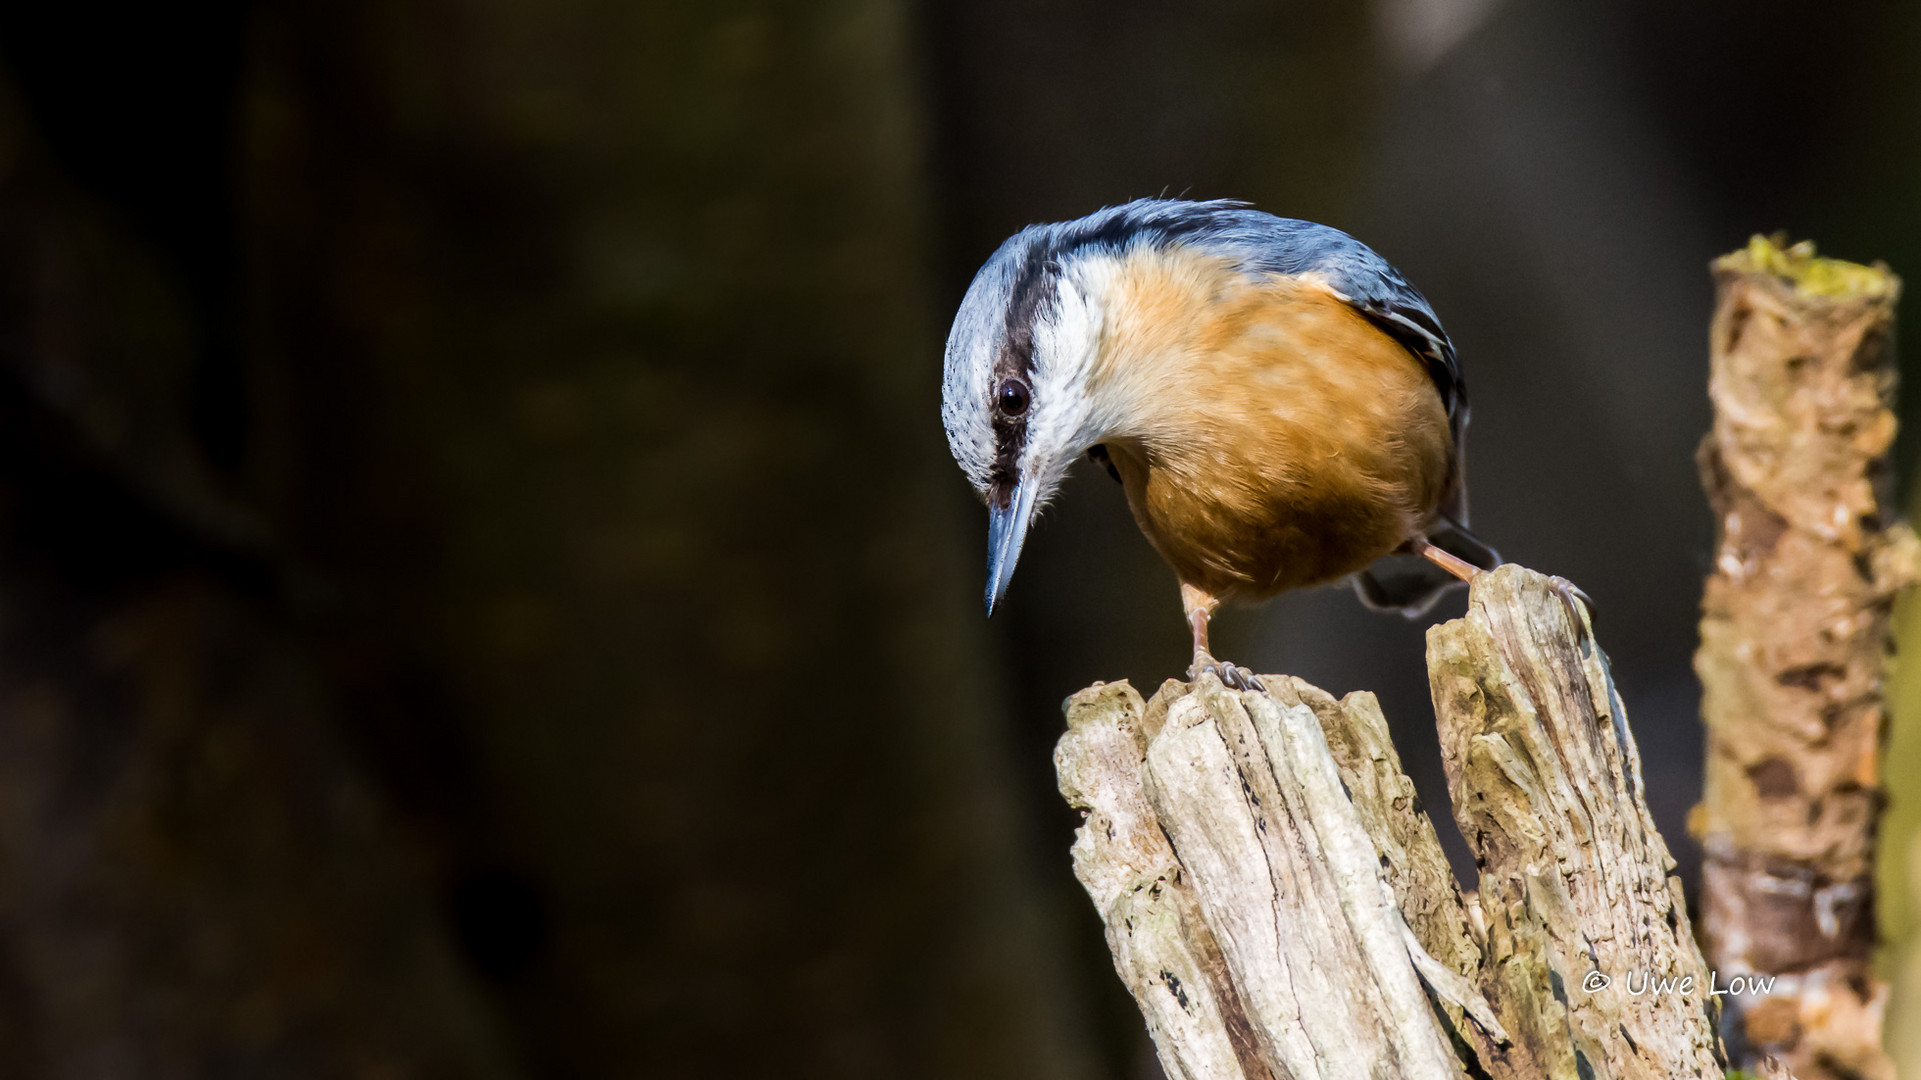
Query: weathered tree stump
1277,901
1794,641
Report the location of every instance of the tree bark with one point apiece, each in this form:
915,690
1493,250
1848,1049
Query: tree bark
1794,643
1278,903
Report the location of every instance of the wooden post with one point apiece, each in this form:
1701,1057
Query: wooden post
1279,905
1794,639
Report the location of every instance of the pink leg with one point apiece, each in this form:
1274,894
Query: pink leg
1199,606
1460,568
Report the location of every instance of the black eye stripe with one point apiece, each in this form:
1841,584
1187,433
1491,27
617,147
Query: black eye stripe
1029,295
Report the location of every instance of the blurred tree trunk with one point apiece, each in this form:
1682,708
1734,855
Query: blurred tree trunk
603,370
200,877
495,714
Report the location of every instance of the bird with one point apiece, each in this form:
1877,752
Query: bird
1281,408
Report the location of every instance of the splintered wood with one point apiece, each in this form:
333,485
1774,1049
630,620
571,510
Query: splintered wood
1576,883
1277,902
1794,639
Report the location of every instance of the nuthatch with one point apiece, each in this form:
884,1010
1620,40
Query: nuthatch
1281,407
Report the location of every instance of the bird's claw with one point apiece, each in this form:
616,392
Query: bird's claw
1233,677
1240,678
1575,599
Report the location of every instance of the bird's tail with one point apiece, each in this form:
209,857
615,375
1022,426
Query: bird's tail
1411,585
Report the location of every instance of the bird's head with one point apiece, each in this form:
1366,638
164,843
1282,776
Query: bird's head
1015,394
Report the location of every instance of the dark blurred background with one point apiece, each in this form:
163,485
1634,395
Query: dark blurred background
482,589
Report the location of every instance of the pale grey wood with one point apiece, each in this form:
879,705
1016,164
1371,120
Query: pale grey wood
1162,949
1285,958
1290,884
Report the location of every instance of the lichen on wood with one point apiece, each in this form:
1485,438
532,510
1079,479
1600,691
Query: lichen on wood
1794,641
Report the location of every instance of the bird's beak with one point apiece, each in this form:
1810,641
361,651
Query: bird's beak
1006,528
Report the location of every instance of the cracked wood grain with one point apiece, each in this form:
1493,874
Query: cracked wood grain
1576,883
1277,901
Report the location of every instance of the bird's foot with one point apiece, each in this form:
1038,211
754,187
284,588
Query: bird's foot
1231,676
1575,599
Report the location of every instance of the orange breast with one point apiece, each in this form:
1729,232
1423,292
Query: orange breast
1275,437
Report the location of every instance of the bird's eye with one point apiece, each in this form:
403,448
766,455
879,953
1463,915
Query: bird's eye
1011,397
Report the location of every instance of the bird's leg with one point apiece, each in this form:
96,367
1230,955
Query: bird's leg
1455,565
1199,607
1570,593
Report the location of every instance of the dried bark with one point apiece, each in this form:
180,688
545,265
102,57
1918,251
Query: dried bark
1277,901
1794,640
1578,891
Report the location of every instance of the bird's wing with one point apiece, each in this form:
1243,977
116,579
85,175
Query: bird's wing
1398,308
1403,313
1357,275
1362,278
